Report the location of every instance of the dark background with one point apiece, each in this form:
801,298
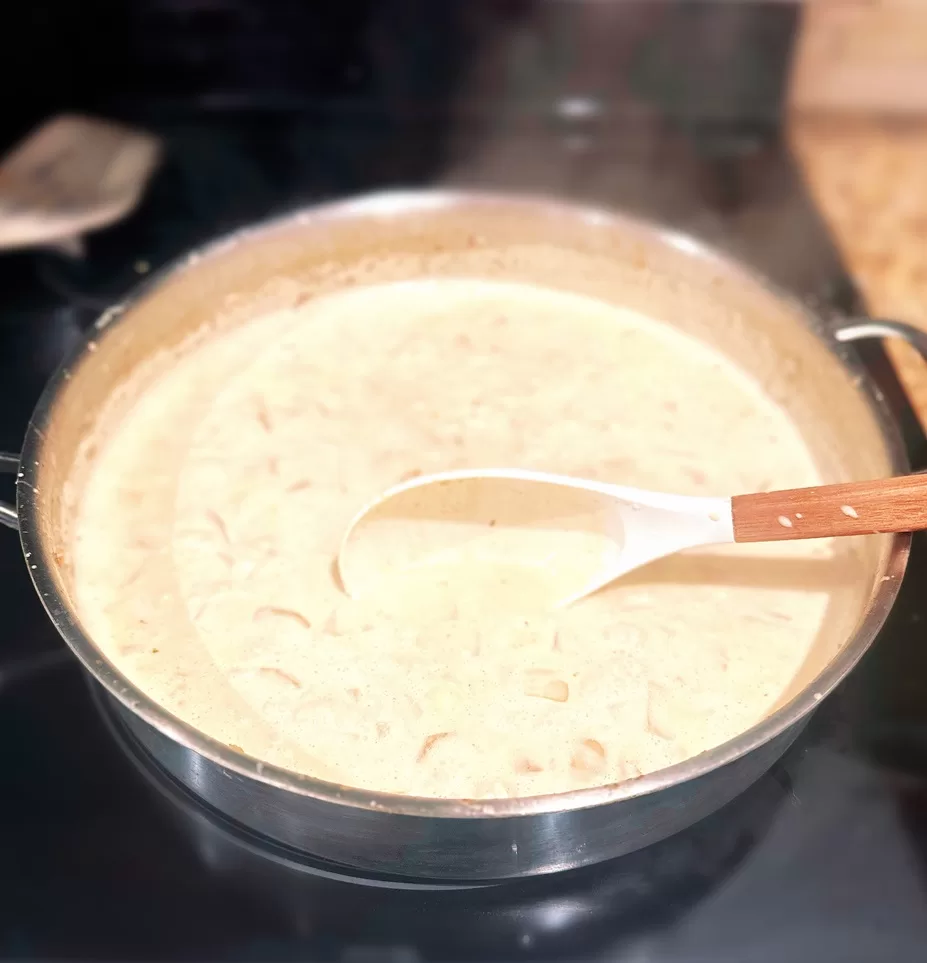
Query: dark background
708,61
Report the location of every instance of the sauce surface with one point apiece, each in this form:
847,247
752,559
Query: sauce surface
209,525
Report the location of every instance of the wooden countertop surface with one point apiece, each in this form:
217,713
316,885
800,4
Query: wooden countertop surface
869,178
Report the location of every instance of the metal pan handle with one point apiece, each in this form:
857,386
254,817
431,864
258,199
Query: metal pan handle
875,328
883,373
9,465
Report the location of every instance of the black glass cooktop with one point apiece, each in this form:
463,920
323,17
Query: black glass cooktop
103,858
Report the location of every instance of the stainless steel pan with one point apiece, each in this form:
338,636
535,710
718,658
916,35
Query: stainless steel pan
804,362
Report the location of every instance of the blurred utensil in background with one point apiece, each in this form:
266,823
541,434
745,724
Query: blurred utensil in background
70,176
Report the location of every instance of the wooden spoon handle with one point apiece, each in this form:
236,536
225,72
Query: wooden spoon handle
855,508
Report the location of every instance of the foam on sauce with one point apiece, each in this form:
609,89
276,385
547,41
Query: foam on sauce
207,532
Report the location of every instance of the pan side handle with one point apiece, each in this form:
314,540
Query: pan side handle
877,330
850,331
9,465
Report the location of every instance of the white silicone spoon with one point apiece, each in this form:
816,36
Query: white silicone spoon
580,535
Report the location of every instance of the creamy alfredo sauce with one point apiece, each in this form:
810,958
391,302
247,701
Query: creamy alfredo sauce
208,527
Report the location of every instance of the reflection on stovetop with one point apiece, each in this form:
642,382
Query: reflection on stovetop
582,911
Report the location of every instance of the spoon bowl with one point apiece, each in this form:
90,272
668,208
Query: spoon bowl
559,538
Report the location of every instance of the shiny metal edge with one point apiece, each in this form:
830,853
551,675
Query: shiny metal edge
9,465
398,203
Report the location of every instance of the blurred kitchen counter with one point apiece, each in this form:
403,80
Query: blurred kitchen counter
869,178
